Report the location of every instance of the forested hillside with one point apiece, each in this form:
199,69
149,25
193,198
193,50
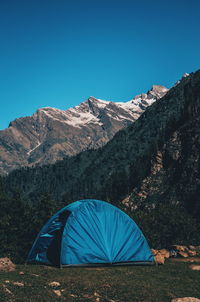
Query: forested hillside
154,159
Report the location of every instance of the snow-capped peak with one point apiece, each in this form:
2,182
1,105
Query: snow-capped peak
185,75
50,133
139,103
92,110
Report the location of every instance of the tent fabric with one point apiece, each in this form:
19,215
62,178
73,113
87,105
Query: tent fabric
90,232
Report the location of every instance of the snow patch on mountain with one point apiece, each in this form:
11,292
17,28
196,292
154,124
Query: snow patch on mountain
90,111
82,119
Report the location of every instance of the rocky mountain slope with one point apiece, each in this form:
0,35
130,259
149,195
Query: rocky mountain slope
155,159
51,134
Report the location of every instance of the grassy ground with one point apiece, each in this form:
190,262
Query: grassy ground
111,284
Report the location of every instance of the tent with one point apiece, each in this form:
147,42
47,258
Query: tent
90,232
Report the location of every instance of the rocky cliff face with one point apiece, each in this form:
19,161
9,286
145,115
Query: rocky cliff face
155,159
174,174
51,134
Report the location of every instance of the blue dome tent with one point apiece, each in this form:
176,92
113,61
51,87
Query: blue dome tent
90,232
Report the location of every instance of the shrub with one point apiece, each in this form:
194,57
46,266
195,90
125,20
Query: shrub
167,224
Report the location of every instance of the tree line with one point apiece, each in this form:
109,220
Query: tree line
21,220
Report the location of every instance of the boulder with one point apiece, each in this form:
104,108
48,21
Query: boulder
159,259
183,254
6,265
165,253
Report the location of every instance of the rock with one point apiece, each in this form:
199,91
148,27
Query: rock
74,296
195,267
154,252
181,248
96,294
165,253
183,254
160,255
192,253
159,259
7,290
57,292
186,299
20,284
192,247
54,284
6,265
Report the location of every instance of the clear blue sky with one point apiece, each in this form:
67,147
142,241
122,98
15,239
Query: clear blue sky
59,52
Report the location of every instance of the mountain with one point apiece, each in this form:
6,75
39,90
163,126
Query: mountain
155,159
51,134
